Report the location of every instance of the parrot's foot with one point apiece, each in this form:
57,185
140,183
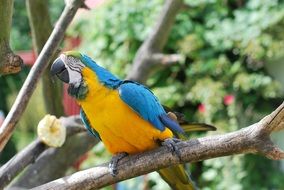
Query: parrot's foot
114,161
171,144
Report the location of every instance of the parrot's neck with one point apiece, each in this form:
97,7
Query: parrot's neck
79,92
96,90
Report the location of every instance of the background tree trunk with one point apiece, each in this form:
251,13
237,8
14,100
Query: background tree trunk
41,29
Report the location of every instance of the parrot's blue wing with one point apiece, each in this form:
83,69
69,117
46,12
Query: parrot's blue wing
146,104
88,126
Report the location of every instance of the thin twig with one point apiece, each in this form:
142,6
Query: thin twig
40,65
252,139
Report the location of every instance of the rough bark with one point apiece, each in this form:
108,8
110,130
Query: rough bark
40,65
53,163
12,168
40,23
154,44
252,139
9,62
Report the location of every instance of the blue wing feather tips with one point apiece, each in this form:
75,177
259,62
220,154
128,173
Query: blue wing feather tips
171,124
87,125
146,104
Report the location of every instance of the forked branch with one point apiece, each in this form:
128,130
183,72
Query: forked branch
30,153
149,54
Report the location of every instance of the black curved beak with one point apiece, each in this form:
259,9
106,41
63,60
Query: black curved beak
58,68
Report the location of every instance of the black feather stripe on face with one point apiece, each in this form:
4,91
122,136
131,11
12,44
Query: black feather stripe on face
74,64
79,92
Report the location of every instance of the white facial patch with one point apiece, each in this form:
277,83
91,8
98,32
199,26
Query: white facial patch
74,67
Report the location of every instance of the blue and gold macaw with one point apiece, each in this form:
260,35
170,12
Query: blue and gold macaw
125,115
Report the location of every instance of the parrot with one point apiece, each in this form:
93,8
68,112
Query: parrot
125,115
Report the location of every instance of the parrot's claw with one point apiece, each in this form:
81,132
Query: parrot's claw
114,161
171,144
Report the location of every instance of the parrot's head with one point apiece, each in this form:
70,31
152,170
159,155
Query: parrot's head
69,66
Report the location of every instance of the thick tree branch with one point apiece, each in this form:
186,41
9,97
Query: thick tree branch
28,155
40,65
252,139
143,61
9,62
14,166
52,159
40,23
54,162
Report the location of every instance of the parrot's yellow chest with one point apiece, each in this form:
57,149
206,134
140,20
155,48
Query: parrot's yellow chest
121,129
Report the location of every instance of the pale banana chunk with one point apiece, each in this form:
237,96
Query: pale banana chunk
51,132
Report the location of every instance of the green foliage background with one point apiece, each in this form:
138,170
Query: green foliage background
230,48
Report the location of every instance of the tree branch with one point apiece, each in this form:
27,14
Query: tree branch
28,155
16,164
143,61
52,159
54,162
40,65
9,62
252,139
